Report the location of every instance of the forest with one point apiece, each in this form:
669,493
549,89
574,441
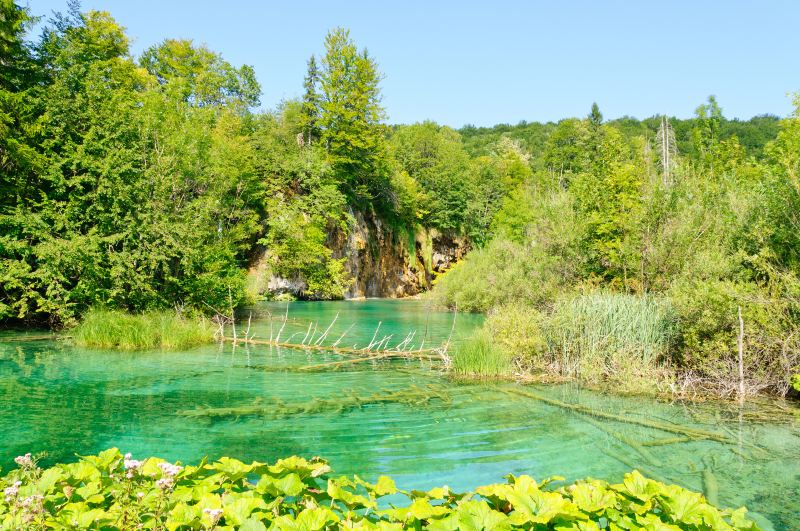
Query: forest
661,253
240,288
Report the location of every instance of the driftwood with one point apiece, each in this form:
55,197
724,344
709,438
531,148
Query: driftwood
336,350
635,445
577,408
277,408
633,466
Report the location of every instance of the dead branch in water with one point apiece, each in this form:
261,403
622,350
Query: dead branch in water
694,433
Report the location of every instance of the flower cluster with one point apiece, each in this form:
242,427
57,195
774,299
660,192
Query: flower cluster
170,470
24,461
165,483
132,466
12,491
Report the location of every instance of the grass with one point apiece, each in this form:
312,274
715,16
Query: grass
149,330
601,333
480,355
596,338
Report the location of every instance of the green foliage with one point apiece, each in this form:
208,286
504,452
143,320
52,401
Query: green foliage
350,116
720,233
141,198
196,75
119,330
112,491
596,338
480,356
503,272
796,382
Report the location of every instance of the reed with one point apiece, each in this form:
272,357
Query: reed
480,355
114,329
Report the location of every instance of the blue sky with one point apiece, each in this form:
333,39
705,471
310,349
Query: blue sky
459,62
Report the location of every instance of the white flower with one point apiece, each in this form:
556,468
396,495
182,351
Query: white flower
24,461
169,469
164,483
11,492
214,514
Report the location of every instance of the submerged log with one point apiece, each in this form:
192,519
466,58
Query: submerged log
668,440
635,445
277,408
663,426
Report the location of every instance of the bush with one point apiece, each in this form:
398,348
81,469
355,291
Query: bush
504,272
519,329
109,491
480,355
119,330
709,329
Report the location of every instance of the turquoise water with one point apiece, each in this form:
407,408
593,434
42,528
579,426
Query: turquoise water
65,401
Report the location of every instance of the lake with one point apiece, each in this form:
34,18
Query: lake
251,403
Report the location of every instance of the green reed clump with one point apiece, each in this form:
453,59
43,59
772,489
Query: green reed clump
149,330
592,331
480,355
596,337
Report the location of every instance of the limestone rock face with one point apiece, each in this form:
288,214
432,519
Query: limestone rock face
388,262
383,261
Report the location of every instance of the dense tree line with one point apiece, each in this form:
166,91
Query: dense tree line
624,207
148,182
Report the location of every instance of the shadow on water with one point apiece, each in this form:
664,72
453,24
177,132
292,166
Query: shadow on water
386,417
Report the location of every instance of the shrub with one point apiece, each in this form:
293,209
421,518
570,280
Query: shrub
519,329
119,330
709,328
112,491
504,272
480,355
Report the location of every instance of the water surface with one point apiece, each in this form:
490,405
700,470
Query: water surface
64,400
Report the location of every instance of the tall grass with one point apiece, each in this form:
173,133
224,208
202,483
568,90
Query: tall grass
124,331
599,337
605,336
481,356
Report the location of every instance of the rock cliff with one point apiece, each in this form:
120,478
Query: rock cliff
383,261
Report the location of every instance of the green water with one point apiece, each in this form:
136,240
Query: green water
64,400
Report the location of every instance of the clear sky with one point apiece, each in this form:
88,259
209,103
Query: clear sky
460,62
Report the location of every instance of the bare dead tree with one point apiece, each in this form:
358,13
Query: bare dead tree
667,150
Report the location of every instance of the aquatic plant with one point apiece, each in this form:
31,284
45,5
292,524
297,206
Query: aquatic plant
120,330
481,356
597,337
112,491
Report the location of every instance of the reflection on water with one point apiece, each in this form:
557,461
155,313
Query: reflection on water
248,403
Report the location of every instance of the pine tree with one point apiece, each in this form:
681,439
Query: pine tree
350,117
311,102
595,117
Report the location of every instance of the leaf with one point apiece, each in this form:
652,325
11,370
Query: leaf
477,515
181,515
239,510
592,497
420,509
288,485
682,505
252,524
48,480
